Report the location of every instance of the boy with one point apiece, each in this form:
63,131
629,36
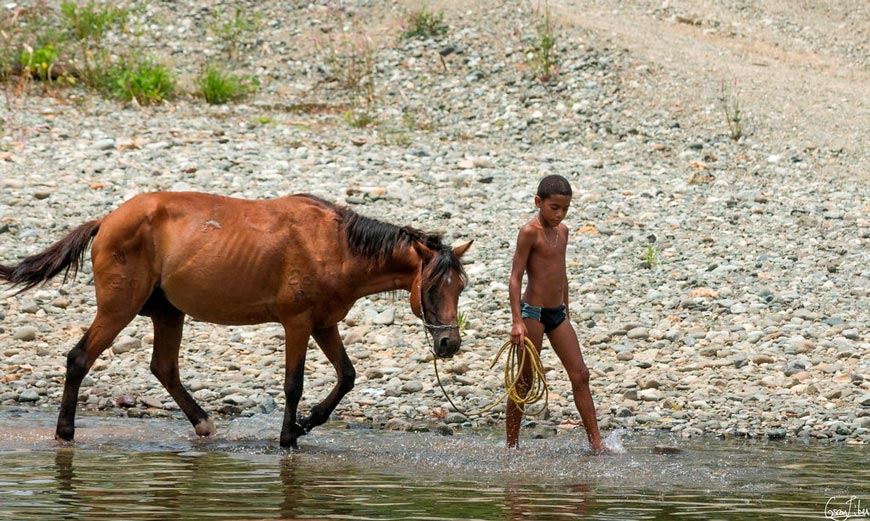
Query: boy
540,254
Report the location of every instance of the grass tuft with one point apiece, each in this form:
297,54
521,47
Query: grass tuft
217,86
424,24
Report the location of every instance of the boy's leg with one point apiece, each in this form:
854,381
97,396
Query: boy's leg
567,347
514,412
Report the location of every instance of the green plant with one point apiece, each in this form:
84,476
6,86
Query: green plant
87,24
354,64
542,51
360,116
424,24
91,21
650,257
234,31
462,321
730,104
38,63
139,79
217,86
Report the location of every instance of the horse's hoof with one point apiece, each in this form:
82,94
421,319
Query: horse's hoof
289,444
64,435
205,428
303,426
66,442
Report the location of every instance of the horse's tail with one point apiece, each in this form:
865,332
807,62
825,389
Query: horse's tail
64,255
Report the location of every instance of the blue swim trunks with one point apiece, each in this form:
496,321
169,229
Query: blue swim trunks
550,317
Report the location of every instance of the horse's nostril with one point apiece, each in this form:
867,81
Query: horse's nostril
447,347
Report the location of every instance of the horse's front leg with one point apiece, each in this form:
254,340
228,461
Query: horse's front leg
330,343
296,339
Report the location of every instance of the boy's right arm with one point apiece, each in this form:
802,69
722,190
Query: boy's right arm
525,239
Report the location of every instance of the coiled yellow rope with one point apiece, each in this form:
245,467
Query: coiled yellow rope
515,361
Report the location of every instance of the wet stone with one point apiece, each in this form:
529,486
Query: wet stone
28,396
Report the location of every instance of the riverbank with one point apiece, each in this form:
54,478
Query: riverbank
718,287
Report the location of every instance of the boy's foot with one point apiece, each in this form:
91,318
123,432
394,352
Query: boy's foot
601,448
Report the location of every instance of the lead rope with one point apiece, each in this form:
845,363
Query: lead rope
512,375
538,389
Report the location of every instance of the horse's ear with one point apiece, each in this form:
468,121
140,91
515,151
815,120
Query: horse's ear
423,251
462,248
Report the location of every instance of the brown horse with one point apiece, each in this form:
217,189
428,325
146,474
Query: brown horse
296,260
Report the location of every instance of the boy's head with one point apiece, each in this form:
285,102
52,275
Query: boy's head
553,185
553,199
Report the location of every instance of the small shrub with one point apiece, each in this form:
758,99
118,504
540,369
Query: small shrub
651,257
360,116
353,61
139,79
730,104
86,24
543,49
217,86
424,24
234,31
91,21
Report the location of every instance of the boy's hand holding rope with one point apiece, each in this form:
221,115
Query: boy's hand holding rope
516,360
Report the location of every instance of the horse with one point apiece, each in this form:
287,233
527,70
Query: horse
297,260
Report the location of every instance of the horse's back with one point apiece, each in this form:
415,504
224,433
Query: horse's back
204,249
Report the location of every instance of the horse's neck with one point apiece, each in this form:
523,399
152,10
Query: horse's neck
395,274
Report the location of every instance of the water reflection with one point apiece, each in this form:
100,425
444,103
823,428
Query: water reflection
152,469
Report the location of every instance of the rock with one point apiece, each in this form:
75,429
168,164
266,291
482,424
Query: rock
455,417
28,396
776,434
125,401
412,387
152,402
637,333
25,333
762,359
386,317
649,395
125,344
796,366
374,373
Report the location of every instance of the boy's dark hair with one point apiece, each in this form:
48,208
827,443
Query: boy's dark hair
554,185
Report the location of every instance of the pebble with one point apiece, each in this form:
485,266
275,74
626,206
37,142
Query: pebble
28,396
25,333
125,344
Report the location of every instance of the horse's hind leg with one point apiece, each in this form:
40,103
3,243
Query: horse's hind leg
122,282
96,339
168,325
330,343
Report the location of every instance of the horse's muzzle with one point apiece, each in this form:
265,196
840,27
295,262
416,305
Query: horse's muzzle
447,346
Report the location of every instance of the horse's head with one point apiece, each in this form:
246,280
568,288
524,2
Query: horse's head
435,297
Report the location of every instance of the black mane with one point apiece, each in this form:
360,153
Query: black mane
378,240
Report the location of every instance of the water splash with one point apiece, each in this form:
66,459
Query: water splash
613,441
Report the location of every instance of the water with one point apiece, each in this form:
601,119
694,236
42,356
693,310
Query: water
131,469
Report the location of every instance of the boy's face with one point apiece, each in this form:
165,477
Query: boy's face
553,209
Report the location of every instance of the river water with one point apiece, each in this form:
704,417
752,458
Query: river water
129,469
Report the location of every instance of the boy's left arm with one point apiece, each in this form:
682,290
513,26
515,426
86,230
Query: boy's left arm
565,297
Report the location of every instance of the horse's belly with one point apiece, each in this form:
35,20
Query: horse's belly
222,302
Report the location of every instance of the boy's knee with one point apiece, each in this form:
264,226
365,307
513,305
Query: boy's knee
580,376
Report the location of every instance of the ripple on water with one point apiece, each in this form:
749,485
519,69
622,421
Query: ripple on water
157,469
